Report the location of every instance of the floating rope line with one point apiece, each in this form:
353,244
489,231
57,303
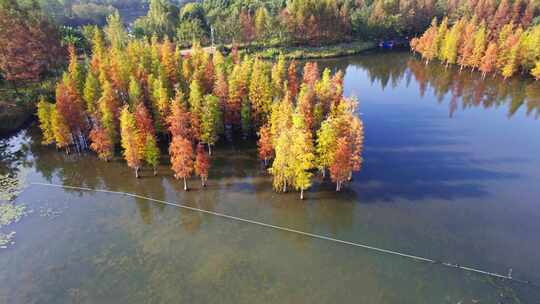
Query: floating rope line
312,235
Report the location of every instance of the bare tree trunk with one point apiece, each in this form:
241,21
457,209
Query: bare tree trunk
185,184
136,172
155,171
302,193
209,149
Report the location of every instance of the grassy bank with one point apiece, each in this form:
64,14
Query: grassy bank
306,52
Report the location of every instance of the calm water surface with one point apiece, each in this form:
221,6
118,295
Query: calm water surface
451,172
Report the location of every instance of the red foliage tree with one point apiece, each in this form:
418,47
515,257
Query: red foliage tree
70,106
489,60
30,44
502,16
202,164
266,150
221,89
209,77
179,121
306,102
292,78
340,169
144,123
101,143
311,73
181,153
248,26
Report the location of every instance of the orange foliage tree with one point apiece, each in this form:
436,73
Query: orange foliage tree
181,153
202,164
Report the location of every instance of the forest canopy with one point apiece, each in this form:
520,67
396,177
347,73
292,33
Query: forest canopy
137,95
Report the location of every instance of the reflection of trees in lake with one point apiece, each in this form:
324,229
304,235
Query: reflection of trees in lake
13,154
466,89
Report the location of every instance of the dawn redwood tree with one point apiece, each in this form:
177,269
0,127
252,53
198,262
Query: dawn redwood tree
130,140
151,153
292,79
311,74
489,60
101,142
260,93
62,135
264,144
302,155
480,37
91,92
536,71
44,113
181,153
108,108
202,164
179,121
306,105
279,72
211,121
69,106
340,169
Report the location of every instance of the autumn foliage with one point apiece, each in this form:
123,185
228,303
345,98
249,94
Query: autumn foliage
134,96
501,41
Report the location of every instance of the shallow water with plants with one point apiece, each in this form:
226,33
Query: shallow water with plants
451,173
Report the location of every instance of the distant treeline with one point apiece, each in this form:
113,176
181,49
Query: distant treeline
80,12
504,40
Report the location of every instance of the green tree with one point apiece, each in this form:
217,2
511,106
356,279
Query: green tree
211,121
91,92
151,152
115,31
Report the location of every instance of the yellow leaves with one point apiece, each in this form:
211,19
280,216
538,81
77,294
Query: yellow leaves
45,111
535,72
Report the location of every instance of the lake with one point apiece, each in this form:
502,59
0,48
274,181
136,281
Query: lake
451,173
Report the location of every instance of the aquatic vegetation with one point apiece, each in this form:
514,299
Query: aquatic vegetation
9,187
11,213
6,239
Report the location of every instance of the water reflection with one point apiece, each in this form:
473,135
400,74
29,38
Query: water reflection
430,186
466,89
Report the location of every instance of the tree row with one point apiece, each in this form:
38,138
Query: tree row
507,44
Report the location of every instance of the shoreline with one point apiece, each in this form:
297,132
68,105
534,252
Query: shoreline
310,52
